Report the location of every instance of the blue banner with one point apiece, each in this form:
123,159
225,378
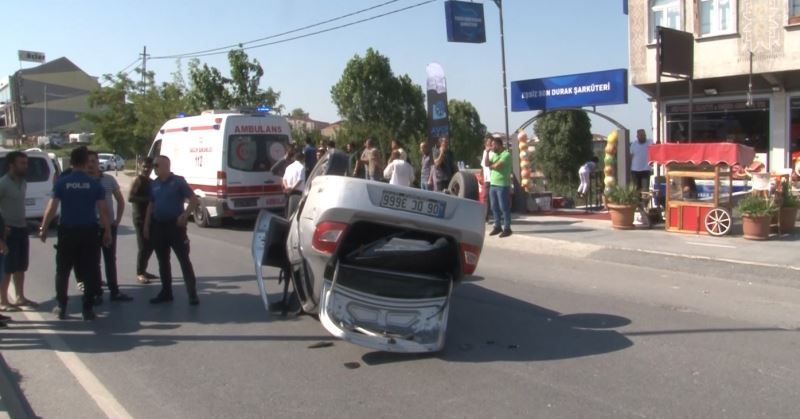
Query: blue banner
465,22
573,91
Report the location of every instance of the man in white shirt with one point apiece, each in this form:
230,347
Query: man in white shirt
640,164
487,173
294,178
399,171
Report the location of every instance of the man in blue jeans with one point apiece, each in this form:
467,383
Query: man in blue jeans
499,162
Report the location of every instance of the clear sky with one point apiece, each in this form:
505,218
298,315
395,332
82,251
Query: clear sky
543,38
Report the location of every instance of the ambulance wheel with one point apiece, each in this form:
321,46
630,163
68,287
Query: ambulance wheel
202,219
464,185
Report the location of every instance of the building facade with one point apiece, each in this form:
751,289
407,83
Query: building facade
49,98
758,107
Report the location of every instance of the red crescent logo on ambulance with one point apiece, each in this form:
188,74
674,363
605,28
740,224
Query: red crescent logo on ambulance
239,151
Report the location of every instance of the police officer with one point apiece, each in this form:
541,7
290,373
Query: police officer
165,226
82,200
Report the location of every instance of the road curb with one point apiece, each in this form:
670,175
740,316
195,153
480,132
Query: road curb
557,247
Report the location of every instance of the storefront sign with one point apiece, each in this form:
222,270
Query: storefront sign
36,57
573,91
719,107
465,22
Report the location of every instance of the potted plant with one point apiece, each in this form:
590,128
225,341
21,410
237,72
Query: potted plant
622,202
788,211
756,213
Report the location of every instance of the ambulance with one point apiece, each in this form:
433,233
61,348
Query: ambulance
226,158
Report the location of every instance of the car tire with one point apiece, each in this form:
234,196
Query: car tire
464,185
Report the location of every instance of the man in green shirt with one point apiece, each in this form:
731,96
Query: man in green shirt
499,162
12,205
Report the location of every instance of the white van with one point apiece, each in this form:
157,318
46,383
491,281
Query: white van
227,157
43,170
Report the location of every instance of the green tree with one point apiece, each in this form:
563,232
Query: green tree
158,104
115,114
377,103
466,132
207,88
565,143
298,113
245,82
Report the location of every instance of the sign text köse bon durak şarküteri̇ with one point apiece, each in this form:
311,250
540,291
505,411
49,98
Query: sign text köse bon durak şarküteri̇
608,87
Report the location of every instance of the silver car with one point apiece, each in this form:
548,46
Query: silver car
376,262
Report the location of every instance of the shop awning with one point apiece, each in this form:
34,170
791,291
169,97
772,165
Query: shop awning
697,153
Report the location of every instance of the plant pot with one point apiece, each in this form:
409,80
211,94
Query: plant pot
621,216
755,228
788,216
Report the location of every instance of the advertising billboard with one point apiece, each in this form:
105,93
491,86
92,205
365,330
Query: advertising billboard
608,87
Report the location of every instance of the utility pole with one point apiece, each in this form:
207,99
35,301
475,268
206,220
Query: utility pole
144,56
499,4
44,133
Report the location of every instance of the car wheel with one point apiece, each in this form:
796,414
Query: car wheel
464,185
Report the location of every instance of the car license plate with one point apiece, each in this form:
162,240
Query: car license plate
274,201
410,203
29,202
245,202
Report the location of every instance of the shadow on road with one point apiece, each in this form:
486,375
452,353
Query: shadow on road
124,326
487,326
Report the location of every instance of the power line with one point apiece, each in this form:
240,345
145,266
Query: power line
304,35
136,61
240,44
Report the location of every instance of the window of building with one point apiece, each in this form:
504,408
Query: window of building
733,122
716,17
794,11
666,13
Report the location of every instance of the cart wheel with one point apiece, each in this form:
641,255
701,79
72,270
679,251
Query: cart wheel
718,221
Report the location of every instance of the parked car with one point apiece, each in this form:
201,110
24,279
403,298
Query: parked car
110,162
43,170
376,262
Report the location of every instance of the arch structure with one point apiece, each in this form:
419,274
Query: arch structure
623,148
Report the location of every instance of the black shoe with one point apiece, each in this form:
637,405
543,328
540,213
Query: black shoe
4,318
495,231
120,297
148,275
161,299
61,312
98,300
3,324
89,315
505,233
193,301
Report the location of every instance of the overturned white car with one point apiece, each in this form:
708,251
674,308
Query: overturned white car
376,262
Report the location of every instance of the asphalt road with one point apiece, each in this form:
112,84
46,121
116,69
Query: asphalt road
532,335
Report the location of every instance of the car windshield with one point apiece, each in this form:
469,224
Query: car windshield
38,170
255,153
103,156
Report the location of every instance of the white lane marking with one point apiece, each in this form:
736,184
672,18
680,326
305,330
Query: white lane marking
90,383
726,246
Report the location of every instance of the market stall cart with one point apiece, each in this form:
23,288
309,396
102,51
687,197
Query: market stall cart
699,184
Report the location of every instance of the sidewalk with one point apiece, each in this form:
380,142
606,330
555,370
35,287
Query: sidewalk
579,235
